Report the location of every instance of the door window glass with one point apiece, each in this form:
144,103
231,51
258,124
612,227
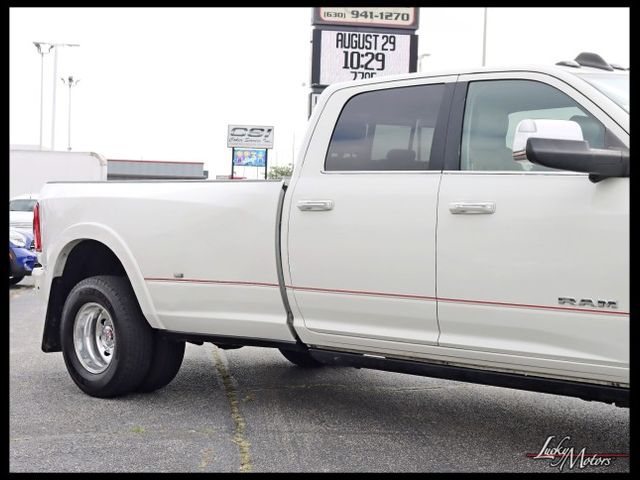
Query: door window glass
494,109
389,129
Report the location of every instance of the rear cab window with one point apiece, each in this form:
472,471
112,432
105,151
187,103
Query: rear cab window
389,129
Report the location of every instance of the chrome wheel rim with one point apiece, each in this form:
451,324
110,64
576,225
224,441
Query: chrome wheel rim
94,337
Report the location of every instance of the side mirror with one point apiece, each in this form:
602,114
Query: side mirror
559,144
551,129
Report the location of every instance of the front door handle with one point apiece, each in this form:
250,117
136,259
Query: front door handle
315,205
471,208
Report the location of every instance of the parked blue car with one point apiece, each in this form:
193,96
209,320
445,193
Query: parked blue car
22,257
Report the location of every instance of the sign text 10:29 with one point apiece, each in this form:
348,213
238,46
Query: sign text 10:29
364,54
356,55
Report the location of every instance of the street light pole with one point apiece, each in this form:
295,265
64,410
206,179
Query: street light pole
72,83
53,109
55,76
39,46
484,39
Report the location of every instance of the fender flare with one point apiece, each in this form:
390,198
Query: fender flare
65,242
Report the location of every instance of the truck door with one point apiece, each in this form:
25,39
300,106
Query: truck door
361,229
543,235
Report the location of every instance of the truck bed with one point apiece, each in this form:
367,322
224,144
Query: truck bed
201,255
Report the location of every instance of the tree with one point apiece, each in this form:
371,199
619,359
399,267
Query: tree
280,171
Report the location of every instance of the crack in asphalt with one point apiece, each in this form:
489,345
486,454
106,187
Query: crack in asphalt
207,456
207,431
230,391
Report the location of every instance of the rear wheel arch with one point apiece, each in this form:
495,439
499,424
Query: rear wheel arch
77,260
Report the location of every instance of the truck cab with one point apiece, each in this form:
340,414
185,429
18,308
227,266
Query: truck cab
399,165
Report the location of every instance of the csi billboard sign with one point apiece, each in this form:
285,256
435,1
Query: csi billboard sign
342,55
386,17
249,136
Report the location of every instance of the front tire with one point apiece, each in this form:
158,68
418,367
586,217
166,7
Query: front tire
14,280
301,359
107,343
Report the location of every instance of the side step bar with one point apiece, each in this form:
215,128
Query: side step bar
586,391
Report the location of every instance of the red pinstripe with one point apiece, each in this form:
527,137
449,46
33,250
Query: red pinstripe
219,282
392,295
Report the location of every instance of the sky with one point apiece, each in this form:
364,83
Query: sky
164,83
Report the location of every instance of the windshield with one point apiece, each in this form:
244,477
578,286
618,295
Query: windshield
24,205
614,86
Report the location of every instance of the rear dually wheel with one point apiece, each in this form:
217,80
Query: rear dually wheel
107,343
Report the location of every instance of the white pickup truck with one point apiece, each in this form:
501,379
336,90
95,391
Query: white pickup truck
470,225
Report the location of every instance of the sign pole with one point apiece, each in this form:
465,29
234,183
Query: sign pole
484,39
233,155
266,163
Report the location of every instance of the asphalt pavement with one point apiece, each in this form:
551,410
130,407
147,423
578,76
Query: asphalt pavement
250,410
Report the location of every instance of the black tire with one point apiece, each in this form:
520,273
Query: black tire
301,359
133,350
165,363
14,280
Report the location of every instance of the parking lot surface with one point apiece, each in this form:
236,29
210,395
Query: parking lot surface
251,410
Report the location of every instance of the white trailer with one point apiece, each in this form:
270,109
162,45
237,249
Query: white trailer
29,170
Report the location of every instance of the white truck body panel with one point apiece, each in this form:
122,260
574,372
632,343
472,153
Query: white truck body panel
29,170
500,276
220,236
366,274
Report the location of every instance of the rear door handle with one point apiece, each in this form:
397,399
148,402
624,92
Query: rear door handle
472,208
315,205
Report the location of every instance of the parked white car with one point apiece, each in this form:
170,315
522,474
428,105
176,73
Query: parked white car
21,211
409,239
